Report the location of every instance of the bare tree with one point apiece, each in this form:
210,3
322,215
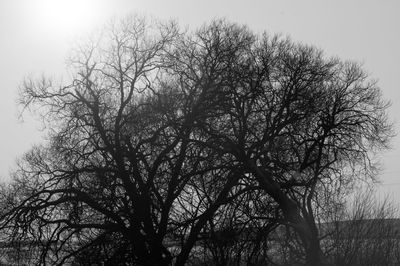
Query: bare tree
159,131
363,232
292,119
119,155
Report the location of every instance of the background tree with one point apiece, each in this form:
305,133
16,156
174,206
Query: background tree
365,232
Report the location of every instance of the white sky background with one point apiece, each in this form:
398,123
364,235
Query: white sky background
35,36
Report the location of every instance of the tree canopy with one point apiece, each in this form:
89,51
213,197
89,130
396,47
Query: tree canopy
163,137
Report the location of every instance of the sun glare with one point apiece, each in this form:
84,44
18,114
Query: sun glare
65,17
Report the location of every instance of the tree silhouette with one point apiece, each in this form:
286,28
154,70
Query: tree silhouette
159,131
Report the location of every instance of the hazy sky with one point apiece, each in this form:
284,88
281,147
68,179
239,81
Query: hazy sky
36,34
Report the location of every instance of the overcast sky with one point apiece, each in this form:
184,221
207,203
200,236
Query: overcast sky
36,35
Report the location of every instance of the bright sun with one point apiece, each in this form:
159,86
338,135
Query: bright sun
65,17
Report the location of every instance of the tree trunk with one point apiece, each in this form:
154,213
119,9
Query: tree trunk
291,212
308,236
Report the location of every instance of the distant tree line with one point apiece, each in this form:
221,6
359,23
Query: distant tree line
171,147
